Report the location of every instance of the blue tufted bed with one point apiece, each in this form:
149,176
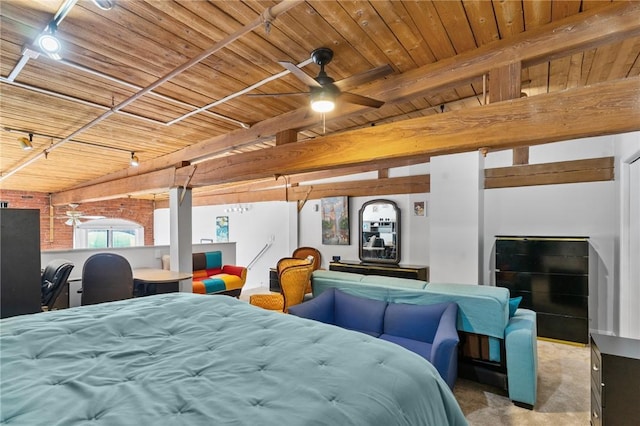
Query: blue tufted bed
187,359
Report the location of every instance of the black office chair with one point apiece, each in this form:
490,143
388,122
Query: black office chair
54,277
106,277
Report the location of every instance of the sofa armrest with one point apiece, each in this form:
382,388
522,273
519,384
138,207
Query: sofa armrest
444,351
272,301
239,271
522,357
319,308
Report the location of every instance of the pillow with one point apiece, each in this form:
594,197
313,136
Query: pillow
513,305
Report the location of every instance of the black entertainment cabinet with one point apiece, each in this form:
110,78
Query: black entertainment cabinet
552,276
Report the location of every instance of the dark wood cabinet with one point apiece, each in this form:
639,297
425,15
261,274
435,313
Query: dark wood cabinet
274,281
615,380
552,276
20,262
416,272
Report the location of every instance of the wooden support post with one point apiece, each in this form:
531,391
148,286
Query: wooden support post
504,84
286,136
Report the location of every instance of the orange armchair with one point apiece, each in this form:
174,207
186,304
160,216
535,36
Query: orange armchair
294,276
304,253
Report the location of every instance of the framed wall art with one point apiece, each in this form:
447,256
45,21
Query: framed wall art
335,221
222,229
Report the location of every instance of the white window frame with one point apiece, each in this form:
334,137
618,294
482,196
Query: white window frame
81,231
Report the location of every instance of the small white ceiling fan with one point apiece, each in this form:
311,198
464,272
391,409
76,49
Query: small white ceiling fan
73,216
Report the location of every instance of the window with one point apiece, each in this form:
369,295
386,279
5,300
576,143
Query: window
104,233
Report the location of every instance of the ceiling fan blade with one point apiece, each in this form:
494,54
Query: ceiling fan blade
302,76
261,95
360,100
364,77
92,217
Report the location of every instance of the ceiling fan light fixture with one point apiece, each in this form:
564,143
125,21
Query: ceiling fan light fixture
71,221
26,144
49,43
135,162
322,102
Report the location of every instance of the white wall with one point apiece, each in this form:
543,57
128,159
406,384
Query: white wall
414,230
280,222
581,209
628,179
263,225
456,227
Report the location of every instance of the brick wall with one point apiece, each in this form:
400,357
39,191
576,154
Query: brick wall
139,211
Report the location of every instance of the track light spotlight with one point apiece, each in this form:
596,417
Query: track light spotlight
25,143
134,159
104,4
49,43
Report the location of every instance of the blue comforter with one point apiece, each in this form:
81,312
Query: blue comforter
185,359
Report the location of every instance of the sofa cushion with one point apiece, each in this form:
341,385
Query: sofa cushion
415,322
359,314
394,282
481,309
421,348
340,276
514,302
207,260
217,283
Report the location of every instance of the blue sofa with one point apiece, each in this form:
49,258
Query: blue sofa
428,330
496,347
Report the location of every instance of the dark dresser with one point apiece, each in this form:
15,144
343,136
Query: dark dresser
416,272
615,380
552,276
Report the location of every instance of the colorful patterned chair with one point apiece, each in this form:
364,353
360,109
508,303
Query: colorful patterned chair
294,275
210,276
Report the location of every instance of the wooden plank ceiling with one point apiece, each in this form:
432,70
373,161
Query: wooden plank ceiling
90,110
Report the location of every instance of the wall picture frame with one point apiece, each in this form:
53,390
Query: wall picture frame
335,221
419,208
222,229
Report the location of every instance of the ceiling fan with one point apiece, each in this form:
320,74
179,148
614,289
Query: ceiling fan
73,216
324,90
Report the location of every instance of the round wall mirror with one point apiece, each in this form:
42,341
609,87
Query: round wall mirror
379,232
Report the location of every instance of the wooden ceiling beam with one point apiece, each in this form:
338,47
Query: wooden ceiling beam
577,33
294,180
367,187
589,170
154,182
605,108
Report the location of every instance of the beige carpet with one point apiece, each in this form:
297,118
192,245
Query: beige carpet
563,392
